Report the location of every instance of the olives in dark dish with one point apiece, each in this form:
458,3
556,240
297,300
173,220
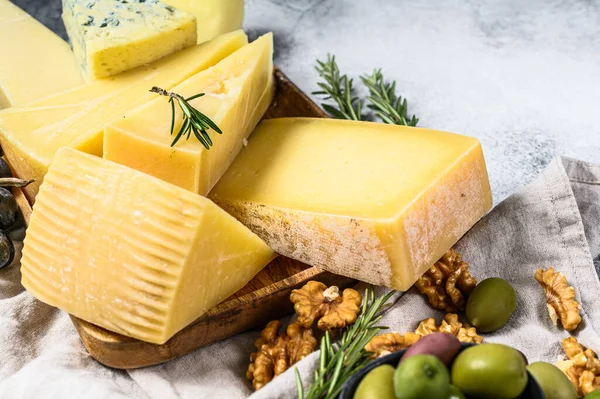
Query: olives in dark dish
4,169
7,250
8,209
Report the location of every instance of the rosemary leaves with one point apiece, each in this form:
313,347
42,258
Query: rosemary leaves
338,361
194,121
388,106
338,88
382,99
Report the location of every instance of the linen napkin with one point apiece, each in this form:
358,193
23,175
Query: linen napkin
554,221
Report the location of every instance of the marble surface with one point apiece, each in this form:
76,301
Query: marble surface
522,76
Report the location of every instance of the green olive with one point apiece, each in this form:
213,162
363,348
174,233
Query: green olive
554,383
593,395
455,393
491,304
491,371
377,384
421,376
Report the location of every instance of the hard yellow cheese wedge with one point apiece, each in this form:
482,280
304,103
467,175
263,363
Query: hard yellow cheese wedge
113,36
233,90
379,203
131,253
213,17
35,62
30,135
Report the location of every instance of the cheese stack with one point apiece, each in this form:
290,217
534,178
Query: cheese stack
35,62
379,203
131,253
113,36
237,92
31,134
213,17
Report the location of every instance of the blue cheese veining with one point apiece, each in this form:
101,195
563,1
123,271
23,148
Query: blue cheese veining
112,36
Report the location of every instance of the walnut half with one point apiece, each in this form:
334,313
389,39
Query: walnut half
451,324
447,283
560,298
276,353
582,366
385,344
316,302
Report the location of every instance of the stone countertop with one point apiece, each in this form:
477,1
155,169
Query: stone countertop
523,77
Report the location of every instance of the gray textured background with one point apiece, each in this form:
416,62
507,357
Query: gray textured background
522,76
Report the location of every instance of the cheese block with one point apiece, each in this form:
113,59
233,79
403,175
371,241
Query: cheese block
113,36
232,88
375,202
30,135
213,17
131,253
35,62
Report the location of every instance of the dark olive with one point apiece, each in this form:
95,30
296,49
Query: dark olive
7,250
8,208
17,231
4,169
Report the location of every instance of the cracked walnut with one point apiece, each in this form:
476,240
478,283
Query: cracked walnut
560,298
447,283
316,302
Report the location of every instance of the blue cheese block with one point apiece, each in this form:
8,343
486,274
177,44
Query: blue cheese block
113,36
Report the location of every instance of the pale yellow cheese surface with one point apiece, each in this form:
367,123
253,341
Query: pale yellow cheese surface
376,202
113,36
34,62
30,135
237,91
213,17
131,253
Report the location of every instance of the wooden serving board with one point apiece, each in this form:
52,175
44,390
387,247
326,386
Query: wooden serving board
264,298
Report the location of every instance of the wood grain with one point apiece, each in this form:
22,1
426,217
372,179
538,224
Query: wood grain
264,298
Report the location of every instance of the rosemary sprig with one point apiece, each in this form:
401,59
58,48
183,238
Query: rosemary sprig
338,361
194,121
14,182
389,107
338,88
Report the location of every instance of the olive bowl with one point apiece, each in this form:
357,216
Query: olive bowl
532,390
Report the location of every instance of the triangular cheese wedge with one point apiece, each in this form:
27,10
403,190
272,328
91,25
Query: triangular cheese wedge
113,36
30,135
35,61
131,253
233,89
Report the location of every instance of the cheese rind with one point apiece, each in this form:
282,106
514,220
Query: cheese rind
379,203
113,36
236,93
131,253
213,17
30,135
35,62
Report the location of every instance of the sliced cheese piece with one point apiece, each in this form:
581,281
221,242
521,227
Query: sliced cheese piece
131,253
30,135
213,17
35,62
232,88
113,36
379,203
